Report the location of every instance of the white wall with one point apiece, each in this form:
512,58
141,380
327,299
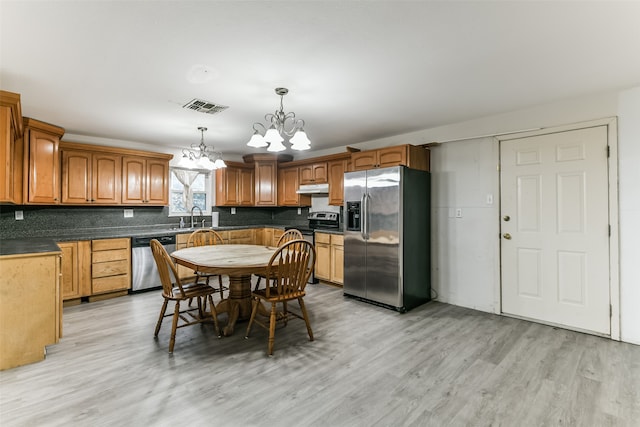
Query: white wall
466,264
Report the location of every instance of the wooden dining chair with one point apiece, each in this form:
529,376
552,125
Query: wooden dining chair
287,236
290,267
174,290
204,238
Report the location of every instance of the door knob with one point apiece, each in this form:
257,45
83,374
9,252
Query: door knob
507,236
506,217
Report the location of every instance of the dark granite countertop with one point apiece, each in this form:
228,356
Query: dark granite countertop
27,246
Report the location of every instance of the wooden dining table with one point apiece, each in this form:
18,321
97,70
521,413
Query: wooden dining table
238,262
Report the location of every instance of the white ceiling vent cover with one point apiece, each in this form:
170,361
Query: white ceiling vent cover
203,106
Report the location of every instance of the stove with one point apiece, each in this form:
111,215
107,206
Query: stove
318,221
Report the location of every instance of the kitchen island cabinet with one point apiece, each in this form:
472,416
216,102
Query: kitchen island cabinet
30,303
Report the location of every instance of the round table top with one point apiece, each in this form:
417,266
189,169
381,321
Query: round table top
226,259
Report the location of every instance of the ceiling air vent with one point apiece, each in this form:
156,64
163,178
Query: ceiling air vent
204,106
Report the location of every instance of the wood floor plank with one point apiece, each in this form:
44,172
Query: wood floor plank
437,365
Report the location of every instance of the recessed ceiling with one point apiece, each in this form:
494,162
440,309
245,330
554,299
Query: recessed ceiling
355,70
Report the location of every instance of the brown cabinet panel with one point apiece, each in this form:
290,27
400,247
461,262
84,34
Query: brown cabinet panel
106,179
288,184
69,284
145,181
315,173
266,183
364,160
234,185
401,155
392,156
109,268
337,169
245,187
110,284
157,182
76,177
110,265
11,148
133,173
43,162
108,244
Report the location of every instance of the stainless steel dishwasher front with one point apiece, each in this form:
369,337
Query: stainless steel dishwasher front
143,266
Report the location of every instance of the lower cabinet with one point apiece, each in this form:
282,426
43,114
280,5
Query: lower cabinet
330,257
110,265
30,307
96,269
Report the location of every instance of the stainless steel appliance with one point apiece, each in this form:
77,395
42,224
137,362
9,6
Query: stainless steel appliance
318,221
386,236
144,272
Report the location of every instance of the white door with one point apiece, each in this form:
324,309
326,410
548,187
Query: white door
555,229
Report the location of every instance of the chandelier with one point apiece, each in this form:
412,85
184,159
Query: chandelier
201,156
280,124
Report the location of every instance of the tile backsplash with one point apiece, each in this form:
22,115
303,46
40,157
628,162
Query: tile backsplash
41,221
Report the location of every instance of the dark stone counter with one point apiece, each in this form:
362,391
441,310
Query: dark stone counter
27,246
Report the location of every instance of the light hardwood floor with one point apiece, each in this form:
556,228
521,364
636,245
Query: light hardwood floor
437,365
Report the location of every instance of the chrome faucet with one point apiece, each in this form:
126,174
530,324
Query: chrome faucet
192,223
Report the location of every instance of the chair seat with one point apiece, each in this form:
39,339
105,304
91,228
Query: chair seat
191,290
274,297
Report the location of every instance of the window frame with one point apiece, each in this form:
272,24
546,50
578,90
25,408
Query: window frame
208,184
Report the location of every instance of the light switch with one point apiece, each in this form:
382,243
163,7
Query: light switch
489,199
458,213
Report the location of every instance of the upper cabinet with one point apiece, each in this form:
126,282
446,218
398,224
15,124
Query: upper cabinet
145,181
91,177
266,182
234,185
288,184
42,162
11,148
314,173
337,168
402,155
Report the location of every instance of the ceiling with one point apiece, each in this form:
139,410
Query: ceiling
356,70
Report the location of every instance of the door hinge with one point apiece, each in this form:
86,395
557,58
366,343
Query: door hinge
609,230
608,151
610,310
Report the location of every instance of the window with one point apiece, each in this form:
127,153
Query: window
189,188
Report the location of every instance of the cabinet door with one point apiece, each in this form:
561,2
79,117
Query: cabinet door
315,173
70,285
7,147
392,156
157,182
133,175
245,188
44,164
323,261
337,259
336,182
106,177
364,160
227,185
266,183
76,177
287,187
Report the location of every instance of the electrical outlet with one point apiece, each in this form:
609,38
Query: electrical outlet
233,211
128,213
489,199
299,211
19,215
458,213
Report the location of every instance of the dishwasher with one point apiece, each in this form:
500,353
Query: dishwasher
144,271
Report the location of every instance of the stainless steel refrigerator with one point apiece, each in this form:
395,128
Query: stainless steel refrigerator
386,236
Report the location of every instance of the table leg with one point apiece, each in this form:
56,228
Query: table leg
238,304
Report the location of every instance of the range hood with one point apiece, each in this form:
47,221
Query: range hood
313,189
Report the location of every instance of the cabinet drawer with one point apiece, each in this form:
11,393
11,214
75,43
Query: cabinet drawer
114,255
109,284
108,244
110,268
337,240
240,234
323,238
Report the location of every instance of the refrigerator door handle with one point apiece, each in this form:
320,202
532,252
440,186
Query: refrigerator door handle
363,216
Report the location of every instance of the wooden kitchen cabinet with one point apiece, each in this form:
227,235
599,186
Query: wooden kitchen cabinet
91,178
145,181
235,185
75,280
11,148
314,173
42,162
402,155
30,306
337,168
288,184
110,266
266,182
241,237
329,257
